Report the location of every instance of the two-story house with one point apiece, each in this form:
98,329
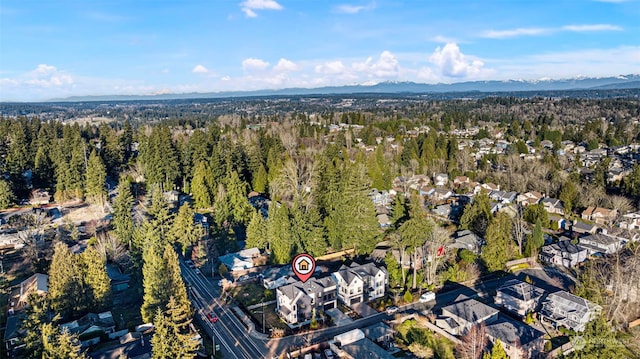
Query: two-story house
518,297
518,339
503,197
440,179
600,243
568,310
296,302
529,198
563,253
630,221
599,215
459,317
360,282
553,205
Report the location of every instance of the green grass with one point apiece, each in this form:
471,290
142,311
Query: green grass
252,293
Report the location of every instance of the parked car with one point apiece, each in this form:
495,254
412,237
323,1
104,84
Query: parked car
189,264
427,297
329,354
308,356
392,310
197,271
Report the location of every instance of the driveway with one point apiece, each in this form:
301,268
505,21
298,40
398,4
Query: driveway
364,310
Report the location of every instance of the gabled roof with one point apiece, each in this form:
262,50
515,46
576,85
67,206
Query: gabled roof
601,238
38,282
378,330
366,349
521,290
565,247
567,303
513,333
471,310
13,330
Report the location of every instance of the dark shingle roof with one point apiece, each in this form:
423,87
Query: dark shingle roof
512,332
470,310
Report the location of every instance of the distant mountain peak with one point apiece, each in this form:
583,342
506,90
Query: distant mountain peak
393,86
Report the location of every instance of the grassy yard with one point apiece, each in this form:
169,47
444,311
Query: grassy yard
251,293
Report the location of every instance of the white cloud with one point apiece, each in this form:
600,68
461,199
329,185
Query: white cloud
47,76
443,39
285,65
249,6
591,28
503,34
330,68
534,31
451,62
199,69
354,9
385,67
252,64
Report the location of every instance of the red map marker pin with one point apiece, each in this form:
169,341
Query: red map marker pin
303,266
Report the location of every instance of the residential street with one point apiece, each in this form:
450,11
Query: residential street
236,342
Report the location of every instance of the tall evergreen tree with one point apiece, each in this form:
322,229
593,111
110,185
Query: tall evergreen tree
361,231
172,339
97,285
6,195
221,207
477,215
535,240
202,185
154,276
257,231
122,215
175,285
36,316
185,231
60,344
237,193
500,247
279,233
260,179
307,230
96,179
159,212
65,285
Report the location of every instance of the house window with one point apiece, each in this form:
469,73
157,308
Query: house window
350,291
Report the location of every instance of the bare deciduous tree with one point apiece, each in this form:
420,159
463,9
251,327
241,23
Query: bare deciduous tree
519,229
435,250
473,343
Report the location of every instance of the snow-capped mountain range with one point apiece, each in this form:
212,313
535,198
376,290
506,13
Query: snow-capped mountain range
391,87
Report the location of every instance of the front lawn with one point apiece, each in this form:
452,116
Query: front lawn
251,293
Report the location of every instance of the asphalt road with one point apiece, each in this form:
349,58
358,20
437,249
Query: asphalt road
235,341
232,335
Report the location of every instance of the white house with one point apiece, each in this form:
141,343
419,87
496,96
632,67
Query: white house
568,310
360,283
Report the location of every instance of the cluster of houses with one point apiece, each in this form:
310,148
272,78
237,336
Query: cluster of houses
517,299
297,302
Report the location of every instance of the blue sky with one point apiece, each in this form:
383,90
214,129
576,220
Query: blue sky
51,49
